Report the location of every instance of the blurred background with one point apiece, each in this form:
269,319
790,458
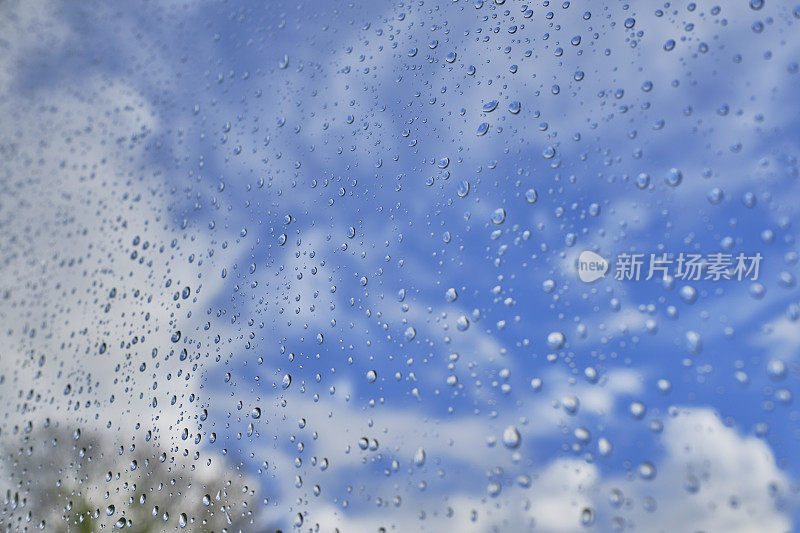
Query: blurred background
312,266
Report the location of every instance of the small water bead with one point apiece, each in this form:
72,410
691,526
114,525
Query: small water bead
511,437
669,45
694,342
450,295
647,470
287,380
674,177
776,370
482,129
715,196
616,498
688,294
463,189
582,435
419,457
571,404
555,340
255,413
638,410
691,484
604,447
784,396
531,196
410,333
462,323
630,22
498,216
371,376
490,106
514,107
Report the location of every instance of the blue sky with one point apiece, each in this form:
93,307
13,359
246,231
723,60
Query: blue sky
313,173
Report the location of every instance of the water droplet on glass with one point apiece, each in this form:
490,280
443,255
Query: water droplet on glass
511,437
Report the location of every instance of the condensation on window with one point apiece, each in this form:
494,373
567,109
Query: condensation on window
430,265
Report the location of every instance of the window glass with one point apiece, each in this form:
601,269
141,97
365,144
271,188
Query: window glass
429,265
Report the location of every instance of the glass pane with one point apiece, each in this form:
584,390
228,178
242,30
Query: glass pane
454,265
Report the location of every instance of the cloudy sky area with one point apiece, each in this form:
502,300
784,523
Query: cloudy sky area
270,242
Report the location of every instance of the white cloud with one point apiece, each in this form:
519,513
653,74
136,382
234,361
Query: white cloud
735,475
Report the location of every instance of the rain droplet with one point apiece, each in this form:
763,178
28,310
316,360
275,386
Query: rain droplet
463,189
490,106
419,457
674,177
511,437
555,340
498,216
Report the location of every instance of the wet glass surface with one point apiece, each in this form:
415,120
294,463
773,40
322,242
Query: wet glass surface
420,266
